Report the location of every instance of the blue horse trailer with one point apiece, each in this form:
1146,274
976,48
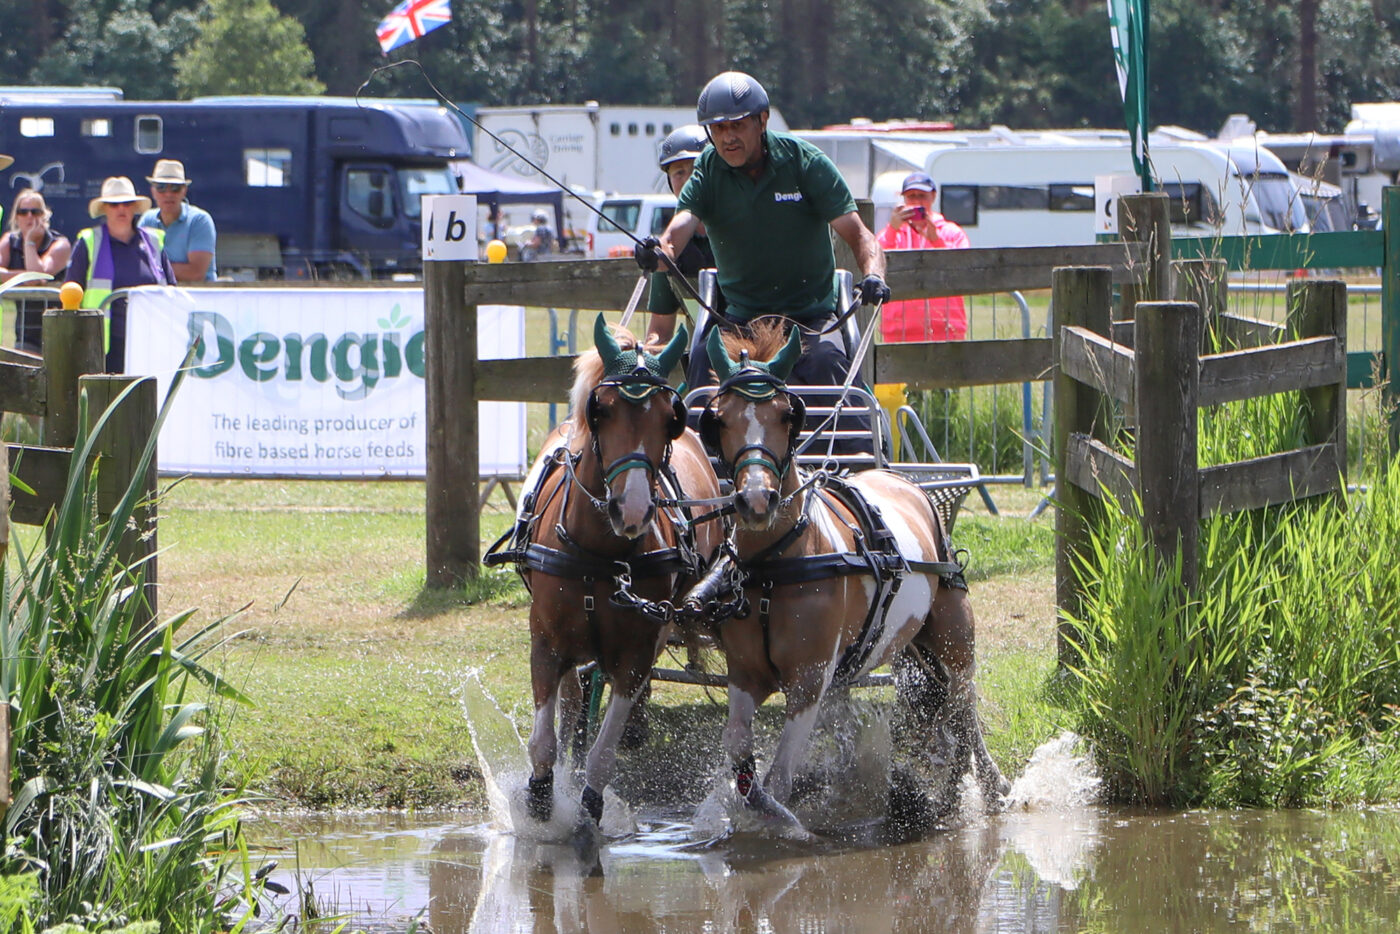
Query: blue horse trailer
299,187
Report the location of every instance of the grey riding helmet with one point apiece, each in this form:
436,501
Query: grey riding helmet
731,95
684,142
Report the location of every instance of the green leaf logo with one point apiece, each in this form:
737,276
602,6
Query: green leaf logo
397,319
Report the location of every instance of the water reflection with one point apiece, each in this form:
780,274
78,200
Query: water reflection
1083,868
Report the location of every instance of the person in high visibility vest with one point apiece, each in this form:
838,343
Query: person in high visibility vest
117,254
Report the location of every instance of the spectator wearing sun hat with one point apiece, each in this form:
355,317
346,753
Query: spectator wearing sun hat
189,231
915,225
117,254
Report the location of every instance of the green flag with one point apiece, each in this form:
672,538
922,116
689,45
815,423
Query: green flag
1127,24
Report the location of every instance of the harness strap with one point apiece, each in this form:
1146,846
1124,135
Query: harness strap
579,566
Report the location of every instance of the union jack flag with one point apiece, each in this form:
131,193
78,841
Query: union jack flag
410,20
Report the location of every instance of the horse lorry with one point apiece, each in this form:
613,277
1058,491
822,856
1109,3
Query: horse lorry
299,188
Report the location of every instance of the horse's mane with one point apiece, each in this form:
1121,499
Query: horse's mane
762,338
588,373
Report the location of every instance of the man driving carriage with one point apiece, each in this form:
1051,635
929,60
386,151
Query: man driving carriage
767,199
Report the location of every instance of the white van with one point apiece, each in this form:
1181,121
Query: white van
638,215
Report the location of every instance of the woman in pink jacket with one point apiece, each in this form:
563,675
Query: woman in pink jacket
914,225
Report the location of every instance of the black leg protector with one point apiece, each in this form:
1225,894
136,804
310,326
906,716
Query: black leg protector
593,804
539,797
744,777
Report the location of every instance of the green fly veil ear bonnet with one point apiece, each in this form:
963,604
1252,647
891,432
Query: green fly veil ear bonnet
637,373
758,380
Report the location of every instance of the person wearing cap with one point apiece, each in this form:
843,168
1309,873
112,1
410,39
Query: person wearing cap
117,254
915,225
542,240
189,231
679,150
768,200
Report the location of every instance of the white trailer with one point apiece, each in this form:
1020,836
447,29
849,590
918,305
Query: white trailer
1009,188
599,147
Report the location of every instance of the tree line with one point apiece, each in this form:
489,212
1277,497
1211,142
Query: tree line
1289,64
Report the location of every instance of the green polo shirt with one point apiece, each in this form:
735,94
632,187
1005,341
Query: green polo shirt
771,237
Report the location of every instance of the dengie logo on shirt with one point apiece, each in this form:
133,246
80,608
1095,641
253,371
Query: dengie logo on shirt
787,196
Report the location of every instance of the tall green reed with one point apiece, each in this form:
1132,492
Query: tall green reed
119,811
1278,681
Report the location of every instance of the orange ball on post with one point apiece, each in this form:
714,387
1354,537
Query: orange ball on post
71,295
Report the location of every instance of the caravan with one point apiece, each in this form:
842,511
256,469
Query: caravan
1037,188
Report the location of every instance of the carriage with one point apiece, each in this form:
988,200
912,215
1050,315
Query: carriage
871,580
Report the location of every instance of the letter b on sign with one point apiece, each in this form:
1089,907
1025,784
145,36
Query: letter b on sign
449,227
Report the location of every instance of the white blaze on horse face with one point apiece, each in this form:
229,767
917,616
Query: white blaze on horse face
630,493
755,481
634,499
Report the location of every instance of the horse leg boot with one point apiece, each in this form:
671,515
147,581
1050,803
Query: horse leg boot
543,749
738,743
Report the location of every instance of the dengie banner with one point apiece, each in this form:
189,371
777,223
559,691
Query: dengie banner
307,382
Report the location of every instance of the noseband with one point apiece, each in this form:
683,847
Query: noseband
758,386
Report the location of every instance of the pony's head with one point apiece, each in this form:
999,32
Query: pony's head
621,397
753,421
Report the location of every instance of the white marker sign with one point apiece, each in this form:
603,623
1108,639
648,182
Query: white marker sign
449,227
1107,188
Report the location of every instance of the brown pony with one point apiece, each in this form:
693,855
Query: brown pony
833,594
601,559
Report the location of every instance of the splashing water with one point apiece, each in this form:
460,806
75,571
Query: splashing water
1060,776
504,761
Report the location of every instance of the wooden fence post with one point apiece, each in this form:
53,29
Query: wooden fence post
453,461
1205,282
119,449
1146,219
72,348
1081,296
1168,366
1390,309
1318,308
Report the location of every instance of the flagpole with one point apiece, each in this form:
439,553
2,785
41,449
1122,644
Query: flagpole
1146,123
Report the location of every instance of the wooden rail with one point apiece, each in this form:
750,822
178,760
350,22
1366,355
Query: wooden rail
49,388
457,380
1169,381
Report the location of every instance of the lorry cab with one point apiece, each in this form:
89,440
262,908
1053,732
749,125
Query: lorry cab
298,187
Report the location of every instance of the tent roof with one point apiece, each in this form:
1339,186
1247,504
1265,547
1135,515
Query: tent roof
504,189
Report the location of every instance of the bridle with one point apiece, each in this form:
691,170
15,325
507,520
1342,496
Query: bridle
636,388
758,386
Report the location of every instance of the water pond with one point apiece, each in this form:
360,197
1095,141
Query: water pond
1075,869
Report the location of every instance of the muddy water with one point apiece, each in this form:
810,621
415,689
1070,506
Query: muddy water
1084,868
1052,861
